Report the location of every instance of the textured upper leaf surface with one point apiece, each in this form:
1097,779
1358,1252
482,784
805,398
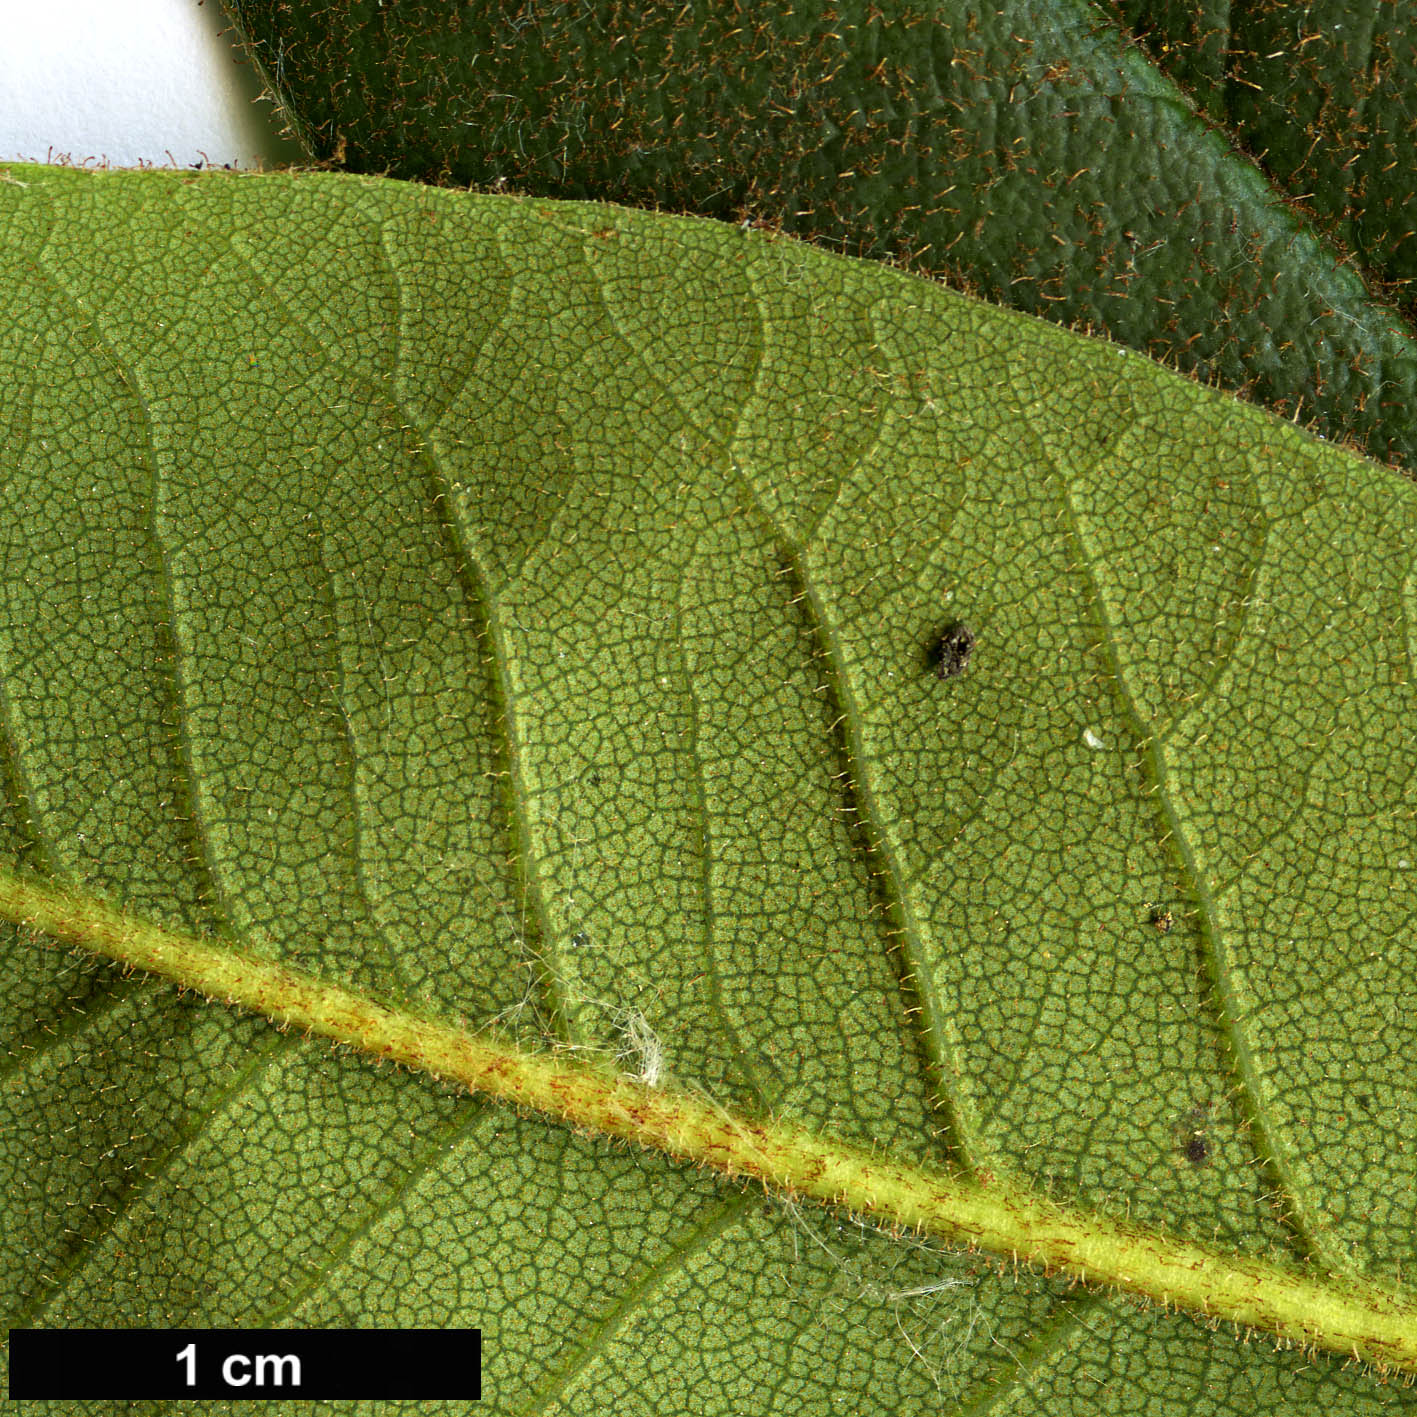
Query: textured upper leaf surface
526,610
1019,146
1320,92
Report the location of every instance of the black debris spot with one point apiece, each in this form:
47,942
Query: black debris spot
1197,1149
580,939
950,656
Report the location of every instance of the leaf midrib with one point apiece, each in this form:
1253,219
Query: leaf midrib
1344,1315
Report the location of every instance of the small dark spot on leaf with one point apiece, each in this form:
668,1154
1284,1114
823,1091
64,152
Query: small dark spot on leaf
580,939
1162,918
950,657
1197,1149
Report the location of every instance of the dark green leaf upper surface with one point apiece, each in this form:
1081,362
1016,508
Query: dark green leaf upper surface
1021,147
1322,95
526,611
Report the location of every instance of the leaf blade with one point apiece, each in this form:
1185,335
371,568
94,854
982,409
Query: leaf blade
559,479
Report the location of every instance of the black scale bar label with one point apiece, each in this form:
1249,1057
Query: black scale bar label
254,1364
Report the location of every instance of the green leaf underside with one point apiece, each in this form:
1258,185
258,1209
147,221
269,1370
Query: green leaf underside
522,609
993,1215
1023,147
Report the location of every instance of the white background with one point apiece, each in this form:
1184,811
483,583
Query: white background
130,82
